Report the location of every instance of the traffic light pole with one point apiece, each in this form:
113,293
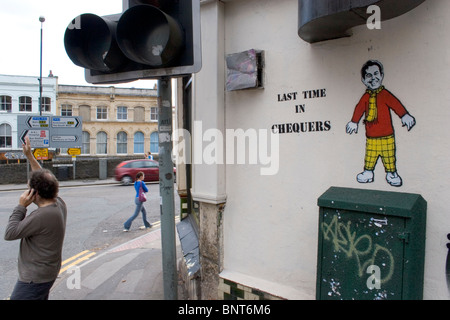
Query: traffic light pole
147,40
166,190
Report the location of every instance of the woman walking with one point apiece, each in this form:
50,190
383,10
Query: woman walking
138,184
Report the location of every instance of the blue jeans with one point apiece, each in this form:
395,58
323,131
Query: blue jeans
31,290
139,207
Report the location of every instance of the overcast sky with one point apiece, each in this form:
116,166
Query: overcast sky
20,37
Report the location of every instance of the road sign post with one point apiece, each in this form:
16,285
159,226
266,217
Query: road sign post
74,152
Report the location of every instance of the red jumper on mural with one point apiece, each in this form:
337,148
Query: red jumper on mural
377,104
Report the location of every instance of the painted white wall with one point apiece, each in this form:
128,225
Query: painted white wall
271,222
208,183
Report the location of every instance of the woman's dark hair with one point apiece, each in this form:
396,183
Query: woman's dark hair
44,183
139,174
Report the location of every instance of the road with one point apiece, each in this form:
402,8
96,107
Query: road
95,222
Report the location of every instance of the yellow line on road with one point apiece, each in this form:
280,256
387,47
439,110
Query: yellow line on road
86,254
83,258
74,257
158,223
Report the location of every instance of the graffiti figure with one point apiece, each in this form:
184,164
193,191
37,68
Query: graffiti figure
377,104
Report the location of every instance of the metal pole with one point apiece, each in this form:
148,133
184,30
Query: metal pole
41,19
166,190
74,162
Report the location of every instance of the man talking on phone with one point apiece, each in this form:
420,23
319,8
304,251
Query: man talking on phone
41,233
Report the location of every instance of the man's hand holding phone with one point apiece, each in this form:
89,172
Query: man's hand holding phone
27,198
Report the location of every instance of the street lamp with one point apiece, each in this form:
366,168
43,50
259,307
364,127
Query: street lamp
41,19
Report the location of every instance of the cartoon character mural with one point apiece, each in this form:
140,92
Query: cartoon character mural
377,104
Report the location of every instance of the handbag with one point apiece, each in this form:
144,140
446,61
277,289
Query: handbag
142,196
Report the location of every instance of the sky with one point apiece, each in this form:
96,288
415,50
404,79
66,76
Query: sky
20,37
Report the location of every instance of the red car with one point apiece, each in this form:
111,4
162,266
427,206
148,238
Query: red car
126,171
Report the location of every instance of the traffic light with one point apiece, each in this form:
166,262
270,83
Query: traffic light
150,39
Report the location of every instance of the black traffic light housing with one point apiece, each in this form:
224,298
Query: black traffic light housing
151,39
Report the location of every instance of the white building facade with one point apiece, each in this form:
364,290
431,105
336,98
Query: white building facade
305,130
19,95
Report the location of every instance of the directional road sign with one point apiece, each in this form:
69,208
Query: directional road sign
65,122
74,151
38,138
41,154
38,122
50,131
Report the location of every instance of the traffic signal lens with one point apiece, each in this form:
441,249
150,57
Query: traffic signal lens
148,36
90,43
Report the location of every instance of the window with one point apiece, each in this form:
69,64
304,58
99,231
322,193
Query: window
66,110
141,164
25,104
102,139
46,104
122,142
154,114
5,136
139,142
154,143
139,114
102,113
86,148
5,103
122,113
150,164
134,164
85,113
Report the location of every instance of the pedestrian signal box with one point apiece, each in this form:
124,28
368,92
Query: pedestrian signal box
371,245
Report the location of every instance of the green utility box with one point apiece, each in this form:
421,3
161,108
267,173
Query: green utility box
371,245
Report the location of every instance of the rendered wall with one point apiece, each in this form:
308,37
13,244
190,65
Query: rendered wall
310,92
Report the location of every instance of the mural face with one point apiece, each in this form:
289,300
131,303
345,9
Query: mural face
376,105
373,77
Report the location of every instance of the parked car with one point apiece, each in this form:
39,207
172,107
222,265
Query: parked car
126,171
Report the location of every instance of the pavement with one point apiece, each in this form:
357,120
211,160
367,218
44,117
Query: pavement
129,271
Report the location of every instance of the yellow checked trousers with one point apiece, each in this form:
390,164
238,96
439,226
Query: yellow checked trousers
383,147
